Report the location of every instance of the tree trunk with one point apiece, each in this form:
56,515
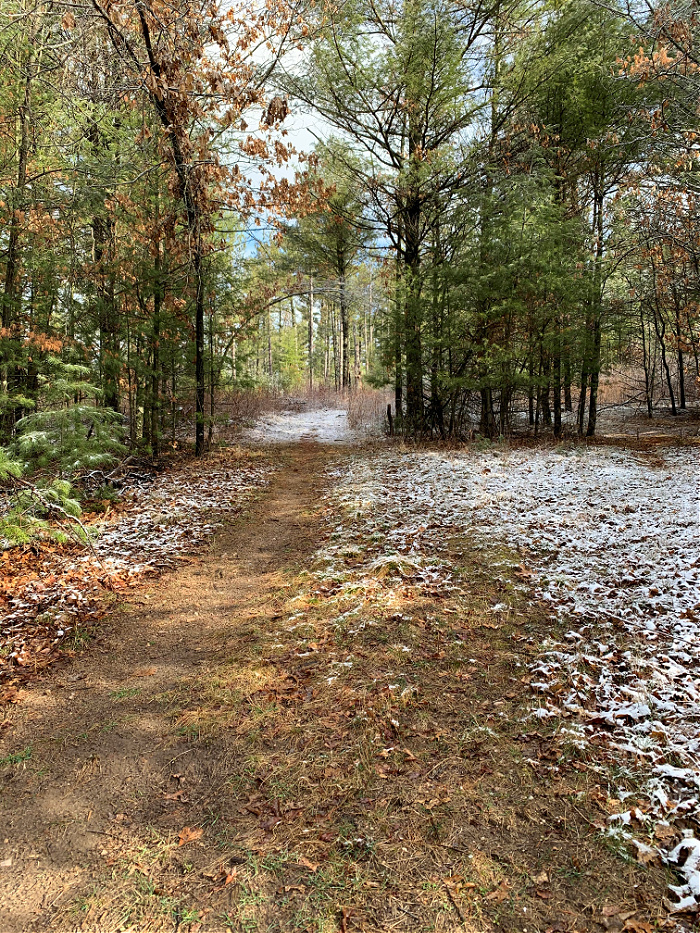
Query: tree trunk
544,404
660,327
10,290
311,334
413,322
679,360
356,355
581,410
597,303
595,378
344,326
10,298
336,358
398,369
212,379
556,369
269,345
187,175
487,422
568,406
646,356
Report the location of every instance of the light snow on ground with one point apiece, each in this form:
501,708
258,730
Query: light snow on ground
173,514
324,425
611,541
160,520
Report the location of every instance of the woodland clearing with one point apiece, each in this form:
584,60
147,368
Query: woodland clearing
392,688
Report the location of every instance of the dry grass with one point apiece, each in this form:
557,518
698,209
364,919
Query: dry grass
354,753
241,408
373,772
366,408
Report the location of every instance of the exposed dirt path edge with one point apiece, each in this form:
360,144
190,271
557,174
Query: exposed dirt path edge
102,738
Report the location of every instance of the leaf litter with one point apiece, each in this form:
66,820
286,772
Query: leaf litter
48,592
357,744
608,543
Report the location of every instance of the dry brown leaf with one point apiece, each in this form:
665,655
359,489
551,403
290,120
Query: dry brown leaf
179,795
228,878
637,926
664,833
187,835
345,915
646,855
307,864
500,893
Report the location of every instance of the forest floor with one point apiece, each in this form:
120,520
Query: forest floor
313,726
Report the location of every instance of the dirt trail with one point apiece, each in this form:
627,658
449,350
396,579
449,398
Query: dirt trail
251,746
103,742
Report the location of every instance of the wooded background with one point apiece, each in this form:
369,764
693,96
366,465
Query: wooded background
501,208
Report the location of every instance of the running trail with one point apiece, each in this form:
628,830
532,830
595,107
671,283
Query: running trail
104,741
253,745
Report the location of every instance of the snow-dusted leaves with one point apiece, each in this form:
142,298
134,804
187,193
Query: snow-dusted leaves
44,597
608,540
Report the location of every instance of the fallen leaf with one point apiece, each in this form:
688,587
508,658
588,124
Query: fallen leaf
500,893
188,835
226,878
307,864
646,855
637,926
665,833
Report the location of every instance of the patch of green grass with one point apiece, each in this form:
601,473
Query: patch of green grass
125,693
617,845
185,915
16,758
190,730
78,639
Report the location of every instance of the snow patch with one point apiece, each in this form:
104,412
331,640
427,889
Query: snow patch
323,425
606,540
